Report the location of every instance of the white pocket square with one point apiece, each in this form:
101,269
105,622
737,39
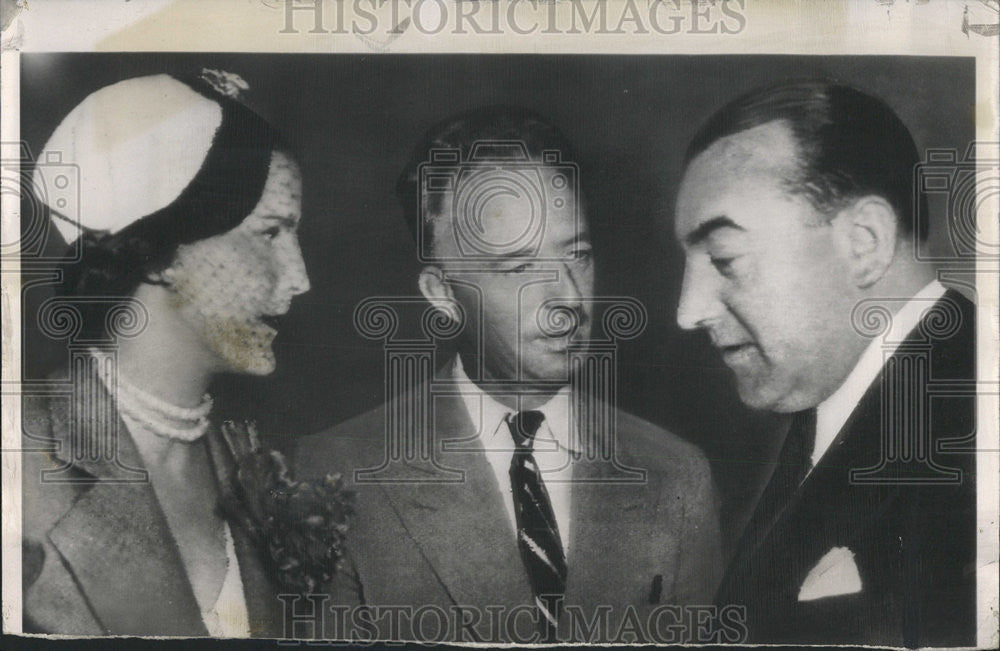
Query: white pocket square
835,574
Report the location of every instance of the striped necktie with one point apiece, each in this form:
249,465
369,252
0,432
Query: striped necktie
537,532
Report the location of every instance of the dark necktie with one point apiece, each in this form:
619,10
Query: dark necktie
802,439
537,532
794,463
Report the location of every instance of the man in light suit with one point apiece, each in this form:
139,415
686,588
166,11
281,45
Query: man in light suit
522,517
797,216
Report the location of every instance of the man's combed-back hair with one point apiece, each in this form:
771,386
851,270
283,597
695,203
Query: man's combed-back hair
461,132
850,144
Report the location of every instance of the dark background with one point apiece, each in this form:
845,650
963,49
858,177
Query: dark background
353,119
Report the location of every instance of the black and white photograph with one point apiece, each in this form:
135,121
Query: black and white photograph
503,347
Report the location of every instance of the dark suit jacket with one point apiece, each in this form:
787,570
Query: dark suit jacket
98,557
914,545
450,544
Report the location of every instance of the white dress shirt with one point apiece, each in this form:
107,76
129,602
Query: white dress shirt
832,413
228,617
553,447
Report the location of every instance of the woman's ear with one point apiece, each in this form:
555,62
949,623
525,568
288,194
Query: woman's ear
437,291
867,231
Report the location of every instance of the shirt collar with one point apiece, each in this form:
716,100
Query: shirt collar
832,413
490,416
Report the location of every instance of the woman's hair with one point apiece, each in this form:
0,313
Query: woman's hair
225,189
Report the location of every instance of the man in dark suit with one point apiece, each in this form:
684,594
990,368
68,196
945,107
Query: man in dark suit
797,216
541,511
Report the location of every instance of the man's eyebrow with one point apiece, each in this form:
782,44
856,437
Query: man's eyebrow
523,252
582,239
708,227
530,251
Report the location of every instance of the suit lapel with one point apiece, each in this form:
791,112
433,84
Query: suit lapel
775,546
835,512
119,549
463,531
264,610
757,534
858,445
826,512
462,527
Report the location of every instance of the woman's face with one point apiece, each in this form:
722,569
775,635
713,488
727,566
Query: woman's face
231,287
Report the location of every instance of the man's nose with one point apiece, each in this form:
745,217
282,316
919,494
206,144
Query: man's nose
575,285
569,288
699,302
565,299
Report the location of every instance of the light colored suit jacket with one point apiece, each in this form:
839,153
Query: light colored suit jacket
445,543
98,556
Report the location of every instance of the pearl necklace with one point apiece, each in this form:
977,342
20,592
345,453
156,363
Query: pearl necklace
186,424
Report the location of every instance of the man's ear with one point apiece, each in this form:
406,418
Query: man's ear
867,232
437,291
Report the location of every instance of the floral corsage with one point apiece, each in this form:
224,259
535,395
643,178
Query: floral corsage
299,525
